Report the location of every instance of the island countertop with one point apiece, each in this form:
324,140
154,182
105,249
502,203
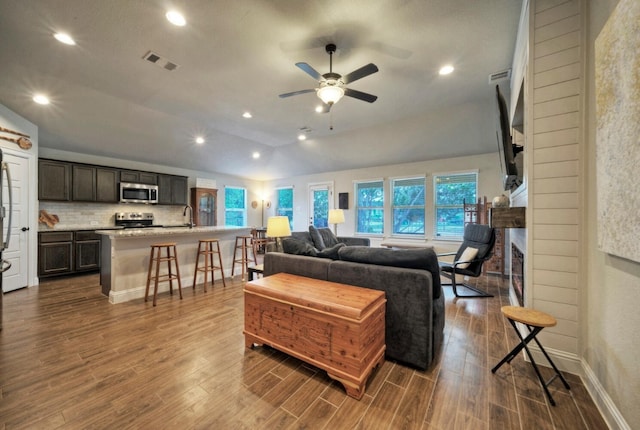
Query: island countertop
167,231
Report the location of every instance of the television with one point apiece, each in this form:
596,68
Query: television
507,149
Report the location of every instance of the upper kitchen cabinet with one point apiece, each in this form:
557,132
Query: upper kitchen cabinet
136,177
107,190
54,181
83,180
172,190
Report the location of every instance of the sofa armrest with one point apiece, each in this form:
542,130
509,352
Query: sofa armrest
354,241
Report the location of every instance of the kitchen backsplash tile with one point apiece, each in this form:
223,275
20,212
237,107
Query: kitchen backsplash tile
83,215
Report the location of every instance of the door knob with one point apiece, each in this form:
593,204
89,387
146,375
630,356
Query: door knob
24,228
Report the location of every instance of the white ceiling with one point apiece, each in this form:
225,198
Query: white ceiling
239,55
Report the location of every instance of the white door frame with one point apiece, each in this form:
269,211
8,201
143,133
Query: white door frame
317,186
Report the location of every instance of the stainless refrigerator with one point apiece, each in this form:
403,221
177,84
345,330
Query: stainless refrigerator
4,212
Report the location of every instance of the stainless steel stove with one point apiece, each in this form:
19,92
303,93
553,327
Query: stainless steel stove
135,220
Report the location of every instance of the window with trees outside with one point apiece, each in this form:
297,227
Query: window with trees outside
235,206
450,193
284,204
370,207
408,198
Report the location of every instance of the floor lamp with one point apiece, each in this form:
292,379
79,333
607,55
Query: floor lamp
336,216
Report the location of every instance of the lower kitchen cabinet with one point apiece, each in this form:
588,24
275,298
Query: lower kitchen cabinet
55,253
67,252
87,248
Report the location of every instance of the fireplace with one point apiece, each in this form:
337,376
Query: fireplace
517,273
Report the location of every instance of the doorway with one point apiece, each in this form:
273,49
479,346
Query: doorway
319,204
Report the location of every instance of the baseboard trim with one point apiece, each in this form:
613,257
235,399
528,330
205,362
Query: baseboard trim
605,405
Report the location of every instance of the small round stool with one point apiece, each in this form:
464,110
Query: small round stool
206,249
535,322
243,244
156,256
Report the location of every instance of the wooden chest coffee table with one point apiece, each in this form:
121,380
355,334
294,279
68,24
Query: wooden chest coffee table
336,327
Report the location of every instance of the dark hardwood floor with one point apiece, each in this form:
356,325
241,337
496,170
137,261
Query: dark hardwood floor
71,360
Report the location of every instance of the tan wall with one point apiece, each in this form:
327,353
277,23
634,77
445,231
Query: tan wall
609,305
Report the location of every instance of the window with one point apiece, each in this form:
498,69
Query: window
284,204
235,207
450,193
370,207
408,206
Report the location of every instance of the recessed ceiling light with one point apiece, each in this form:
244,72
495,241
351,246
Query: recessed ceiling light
445,70
41,99
64,38
199,140
302,136
256,155
176,18
247,115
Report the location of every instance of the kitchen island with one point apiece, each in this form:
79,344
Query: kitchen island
125,256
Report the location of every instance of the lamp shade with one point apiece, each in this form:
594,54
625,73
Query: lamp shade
336,216
330,94
278,226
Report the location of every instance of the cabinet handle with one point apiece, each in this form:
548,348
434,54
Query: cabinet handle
24,228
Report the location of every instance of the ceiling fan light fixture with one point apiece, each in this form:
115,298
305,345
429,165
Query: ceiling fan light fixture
330,94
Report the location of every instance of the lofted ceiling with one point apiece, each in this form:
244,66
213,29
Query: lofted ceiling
239,55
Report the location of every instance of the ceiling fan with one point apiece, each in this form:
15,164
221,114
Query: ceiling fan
332,85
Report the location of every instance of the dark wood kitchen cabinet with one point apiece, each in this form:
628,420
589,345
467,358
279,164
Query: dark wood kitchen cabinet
87,251
83,180
172,190
55,253
54,181
137,177
68,252
107,188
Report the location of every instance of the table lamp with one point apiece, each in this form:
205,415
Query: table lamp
278,227
336,216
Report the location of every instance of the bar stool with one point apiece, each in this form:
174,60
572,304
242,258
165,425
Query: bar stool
243,243
535,322
206,249
156,256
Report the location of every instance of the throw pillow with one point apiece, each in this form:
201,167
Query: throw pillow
316,237
332,252
328,238
298,247
468,254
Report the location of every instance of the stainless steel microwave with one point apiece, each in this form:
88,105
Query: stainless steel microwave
138,193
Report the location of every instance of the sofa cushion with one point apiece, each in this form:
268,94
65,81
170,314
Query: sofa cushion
328,238
316,237
331,252
424,258
298,247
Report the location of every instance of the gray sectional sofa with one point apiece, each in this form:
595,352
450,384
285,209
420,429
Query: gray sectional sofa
410,279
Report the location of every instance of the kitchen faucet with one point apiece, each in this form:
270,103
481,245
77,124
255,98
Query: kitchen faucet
191,224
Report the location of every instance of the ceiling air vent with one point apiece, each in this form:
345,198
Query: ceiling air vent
160,61
499,76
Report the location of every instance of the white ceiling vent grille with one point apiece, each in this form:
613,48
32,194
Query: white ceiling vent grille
499,76
160,61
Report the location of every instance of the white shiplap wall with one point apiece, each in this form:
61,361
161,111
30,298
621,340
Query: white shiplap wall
557,106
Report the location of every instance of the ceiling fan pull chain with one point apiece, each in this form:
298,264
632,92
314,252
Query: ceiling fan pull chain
330,120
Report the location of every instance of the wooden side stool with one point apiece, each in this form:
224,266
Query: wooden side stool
535,322
243,244
206,249
156,256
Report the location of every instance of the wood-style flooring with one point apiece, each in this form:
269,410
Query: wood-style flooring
71,360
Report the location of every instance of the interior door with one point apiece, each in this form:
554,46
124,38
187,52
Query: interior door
319,204
17,253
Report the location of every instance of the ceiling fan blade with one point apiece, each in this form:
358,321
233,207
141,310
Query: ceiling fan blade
360,95
363,71
310,71
295,93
